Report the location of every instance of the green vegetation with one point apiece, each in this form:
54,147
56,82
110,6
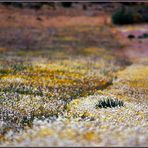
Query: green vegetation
123,16
129,15
66,4
109,103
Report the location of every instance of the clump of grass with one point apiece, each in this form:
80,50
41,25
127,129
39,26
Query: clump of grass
4,71
18,67
104,103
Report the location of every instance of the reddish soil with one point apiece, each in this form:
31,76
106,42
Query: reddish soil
13,17
27,18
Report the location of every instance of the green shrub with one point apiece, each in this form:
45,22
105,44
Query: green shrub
34,5
14,4
67,4
17,4
130,15
122,16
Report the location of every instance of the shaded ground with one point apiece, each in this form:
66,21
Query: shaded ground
53,72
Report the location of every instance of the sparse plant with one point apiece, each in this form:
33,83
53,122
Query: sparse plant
109,102
18,67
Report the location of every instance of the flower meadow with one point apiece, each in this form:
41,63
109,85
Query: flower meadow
77,88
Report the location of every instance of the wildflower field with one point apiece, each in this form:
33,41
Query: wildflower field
71,80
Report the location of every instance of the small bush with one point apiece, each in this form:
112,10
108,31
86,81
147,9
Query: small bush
14,4
67,4
123,16
130,15
144,13
36,5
